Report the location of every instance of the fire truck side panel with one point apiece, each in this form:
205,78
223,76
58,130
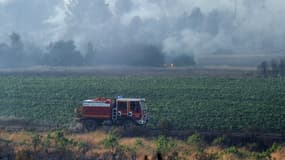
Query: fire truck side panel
99,108
97,112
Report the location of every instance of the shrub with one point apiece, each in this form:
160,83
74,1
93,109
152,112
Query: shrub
60,140
138,142
24,155
83,147
36,142
232,150
194,139
219,141
111,141
164,144
266,155
206,156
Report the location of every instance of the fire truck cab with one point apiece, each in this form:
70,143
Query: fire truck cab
119,111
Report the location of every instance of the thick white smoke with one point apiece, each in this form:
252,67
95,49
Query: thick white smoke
197,27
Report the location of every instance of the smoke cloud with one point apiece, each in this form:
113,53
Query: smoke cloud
199,28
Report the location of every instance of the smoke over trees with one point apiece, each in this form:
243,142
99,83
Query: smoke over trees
142,55
177,28
65,53
90,56
183,60
274,68
12,53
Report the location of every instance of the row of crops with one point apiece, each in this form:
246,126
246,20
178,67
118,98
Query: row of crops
193,103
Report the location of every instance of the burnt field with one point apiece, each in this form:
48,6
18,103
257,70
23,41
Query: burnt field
212,100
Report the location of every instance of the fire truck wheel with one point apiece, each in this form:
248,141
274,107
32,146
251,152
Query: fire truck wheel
90,125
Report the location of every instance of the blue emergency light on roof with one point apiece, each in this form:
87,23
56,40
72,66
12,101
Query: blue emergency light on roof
118,97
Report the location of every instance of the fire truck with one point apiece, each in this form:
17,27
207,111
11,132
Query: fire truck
106,111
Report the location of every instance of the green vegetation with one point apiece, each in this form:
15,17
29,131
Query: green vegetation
164,144
138,142
110,145
219,141
232,150
194,139
196,103
54,145
111,141
266,155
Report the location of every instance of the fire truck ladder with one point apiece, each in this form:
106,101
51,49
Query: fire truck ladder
114,114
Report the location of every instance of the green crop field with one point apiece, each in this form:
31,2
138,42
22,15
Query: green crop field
213,104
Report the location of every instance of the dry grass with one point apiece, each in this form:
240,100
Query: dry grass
91,137
142,146
279,155
16,137
145,147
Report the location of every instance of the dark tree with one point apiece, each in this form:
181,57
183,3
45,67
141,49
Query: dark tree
63,53
151,56
282,67
263,68
16,43
274,68
145,55
90,55
196,19
12,55
4,49
33,56
184,60
213,21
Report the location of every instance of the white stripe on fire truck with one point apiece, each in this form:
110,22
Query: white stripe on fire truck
96,104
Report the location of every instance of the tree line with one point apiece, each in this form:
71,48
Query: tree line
59,53
273,68
64,53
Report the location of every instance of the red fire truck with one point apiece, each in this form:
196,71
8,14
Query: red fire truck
98,111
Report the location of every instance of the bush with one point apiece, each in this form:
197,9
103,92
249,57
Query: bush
111,141
57,142
24,155
267,154
164,144
138,142
61,142
219,141
194,139
36,142
232,150
83,147
206,156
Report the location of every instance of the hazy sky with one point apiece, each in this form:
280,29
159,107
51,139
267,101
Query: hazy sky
177,26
